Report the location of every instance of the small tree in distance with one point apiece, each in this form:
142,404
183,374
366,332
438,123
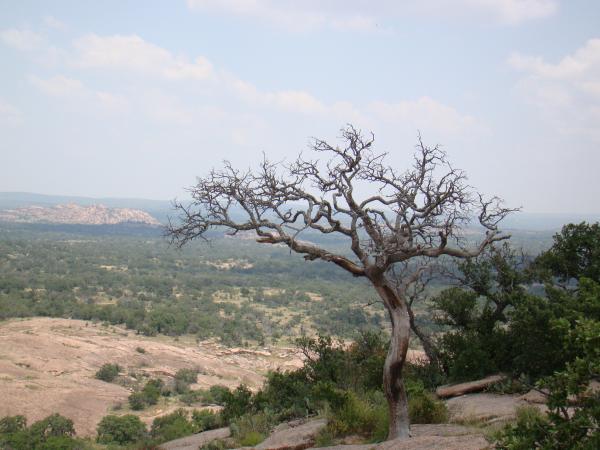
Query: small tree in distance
389,218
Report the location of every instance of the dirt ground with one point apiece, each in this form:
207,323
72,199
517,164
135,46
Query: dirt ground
48,365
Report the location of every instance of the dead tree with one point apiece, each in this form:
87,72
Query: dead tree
388,218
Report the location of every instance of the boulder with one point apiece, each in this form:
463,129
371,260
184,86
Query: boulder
535,396
429,437
486,408
296,435
196,441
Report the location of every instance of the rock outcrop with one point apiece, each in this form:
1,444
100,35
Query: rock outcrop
195,441
77,214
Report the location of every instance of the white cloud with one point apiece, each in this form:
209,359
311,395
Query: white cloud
23,40
54,23
509,12
9,114
135,54
173,104
75,90
425,114
361,15
567,92
297,16
58,86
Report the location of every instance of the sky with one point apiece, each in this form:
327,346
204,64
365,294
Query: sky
138,98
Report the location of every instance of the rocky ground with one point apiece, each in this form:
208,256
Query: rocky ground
300,435
48,365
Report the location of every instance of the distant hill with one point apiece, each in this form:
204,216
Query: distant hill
159,209
72,213
162,209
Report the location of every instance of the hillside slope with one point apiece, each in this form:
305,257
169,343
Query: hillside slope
48,365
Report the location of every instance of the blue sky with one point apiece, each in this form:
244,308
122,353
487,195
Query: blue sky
137,98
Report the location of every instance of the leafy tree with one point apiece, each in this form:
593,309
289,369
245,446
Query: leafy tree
413,216
172,426
496,324
574,254
573,419
120,430
54,432
236,403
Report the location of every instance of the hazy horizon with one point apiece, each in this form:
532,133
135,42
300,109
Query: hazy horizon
132,100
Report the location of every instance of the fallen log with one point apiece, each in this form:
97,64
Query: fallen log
454,390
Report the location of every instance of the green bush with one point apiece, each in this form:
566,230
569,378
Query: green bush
250,429
573,409
189,376
206,420
191,397
108,372
527,431
12,424
364,415
120,429
149,395
54,432
54,425
217,444
252,438
172,426
425,408
236,403
136,401
151,391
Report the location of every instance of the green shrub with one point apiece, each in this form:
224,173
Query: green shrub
217,394
12,424
136,401
191,397
108,372
366,415
151,391
189,376
54,425
217,444
54,432
120,429
425,408
527,431
250,429
252,438
206,420
236,403
172,426
140,349
573,413
60,443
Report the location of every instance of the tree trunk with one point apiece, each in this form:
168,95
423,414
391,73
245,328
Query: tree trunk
428,345
393,385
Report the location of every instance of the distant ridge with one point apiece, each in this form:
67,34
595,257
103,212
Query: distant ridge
158,209
73,214
161,209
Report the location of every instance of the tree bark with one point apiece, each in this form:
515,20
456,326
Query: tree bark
428,346
393,384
